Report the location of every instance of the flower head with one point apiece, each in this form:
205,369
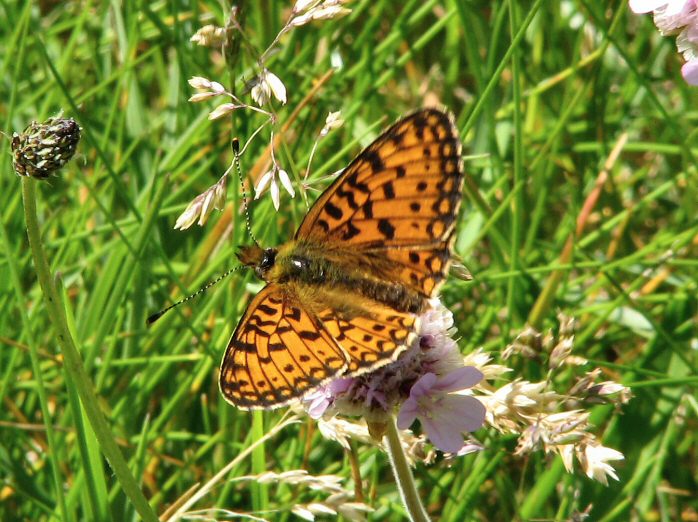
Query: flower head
428,382
317,10
594,461
333,121
43,148
672,16
203,204
269,179
266,84
209,36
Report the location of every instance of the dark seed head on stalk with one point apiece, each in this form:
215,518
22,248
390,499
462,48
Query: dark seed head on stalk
43,148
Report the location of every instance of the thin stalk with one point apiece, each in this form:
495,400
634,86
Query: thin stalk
518,203
403,475
73,362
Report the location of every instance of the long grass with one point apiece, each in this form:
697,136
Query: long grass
543,92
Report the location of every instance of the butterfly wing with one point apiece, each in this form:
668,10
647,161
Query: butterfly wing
372,338
398,200
277,353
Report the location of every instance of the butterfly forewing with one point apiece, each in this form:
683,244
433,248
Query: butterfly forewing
277,353
404,190
389,217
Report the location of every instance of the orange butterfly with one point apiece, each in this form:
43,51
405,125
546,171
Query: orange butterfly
343,297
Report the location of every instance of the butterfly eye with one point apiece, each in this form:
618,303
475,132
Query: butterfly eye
268,259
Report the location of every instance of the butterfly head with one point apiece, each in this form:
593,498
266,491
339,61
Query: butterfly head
261,259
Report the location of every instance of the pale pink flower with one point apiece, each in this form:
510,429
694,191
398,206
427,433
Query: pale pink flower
319,400
672,16
647,6
470,446
428,381
444,415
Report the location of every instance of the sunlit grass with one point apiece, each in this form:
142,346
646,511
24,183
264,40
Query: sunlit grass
540,117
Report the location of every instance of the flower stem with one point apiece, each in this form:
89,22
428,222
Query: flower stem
73,362
403,475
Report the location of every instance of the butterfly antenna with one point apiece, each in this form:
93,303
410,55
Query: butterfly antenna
151,319
245,201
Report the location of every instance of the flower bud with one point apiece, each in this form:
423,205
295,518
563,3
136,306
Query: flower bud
43,148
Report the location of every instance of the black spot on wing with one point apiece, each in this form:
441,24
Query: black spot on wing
386,228
265,309
350,232
374,159
333,211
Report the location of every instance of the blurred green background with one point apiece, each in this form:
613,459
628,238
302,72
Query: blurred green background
542,93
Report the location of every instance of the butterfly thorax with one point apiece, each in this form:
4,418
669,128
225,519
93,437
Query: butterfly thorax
317,269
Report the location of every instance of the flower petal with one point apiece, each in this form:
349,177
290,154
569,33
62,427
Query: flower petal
207,205
469,447
262,183
220,193
199,82
459,379
318,406
340,385
423,386
222,110
645,6
333,11
332,121
286,182
690,72
408,413
277,86
442,436
188,217
201,96
274,189
217,88
302,5
461,413
260,91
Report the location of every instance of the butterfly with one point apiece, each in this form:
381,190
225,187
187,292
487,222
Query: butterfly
343,297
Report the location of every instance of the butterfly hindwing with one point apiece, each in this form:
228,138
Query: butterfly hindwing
423,269
371,339
278,352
